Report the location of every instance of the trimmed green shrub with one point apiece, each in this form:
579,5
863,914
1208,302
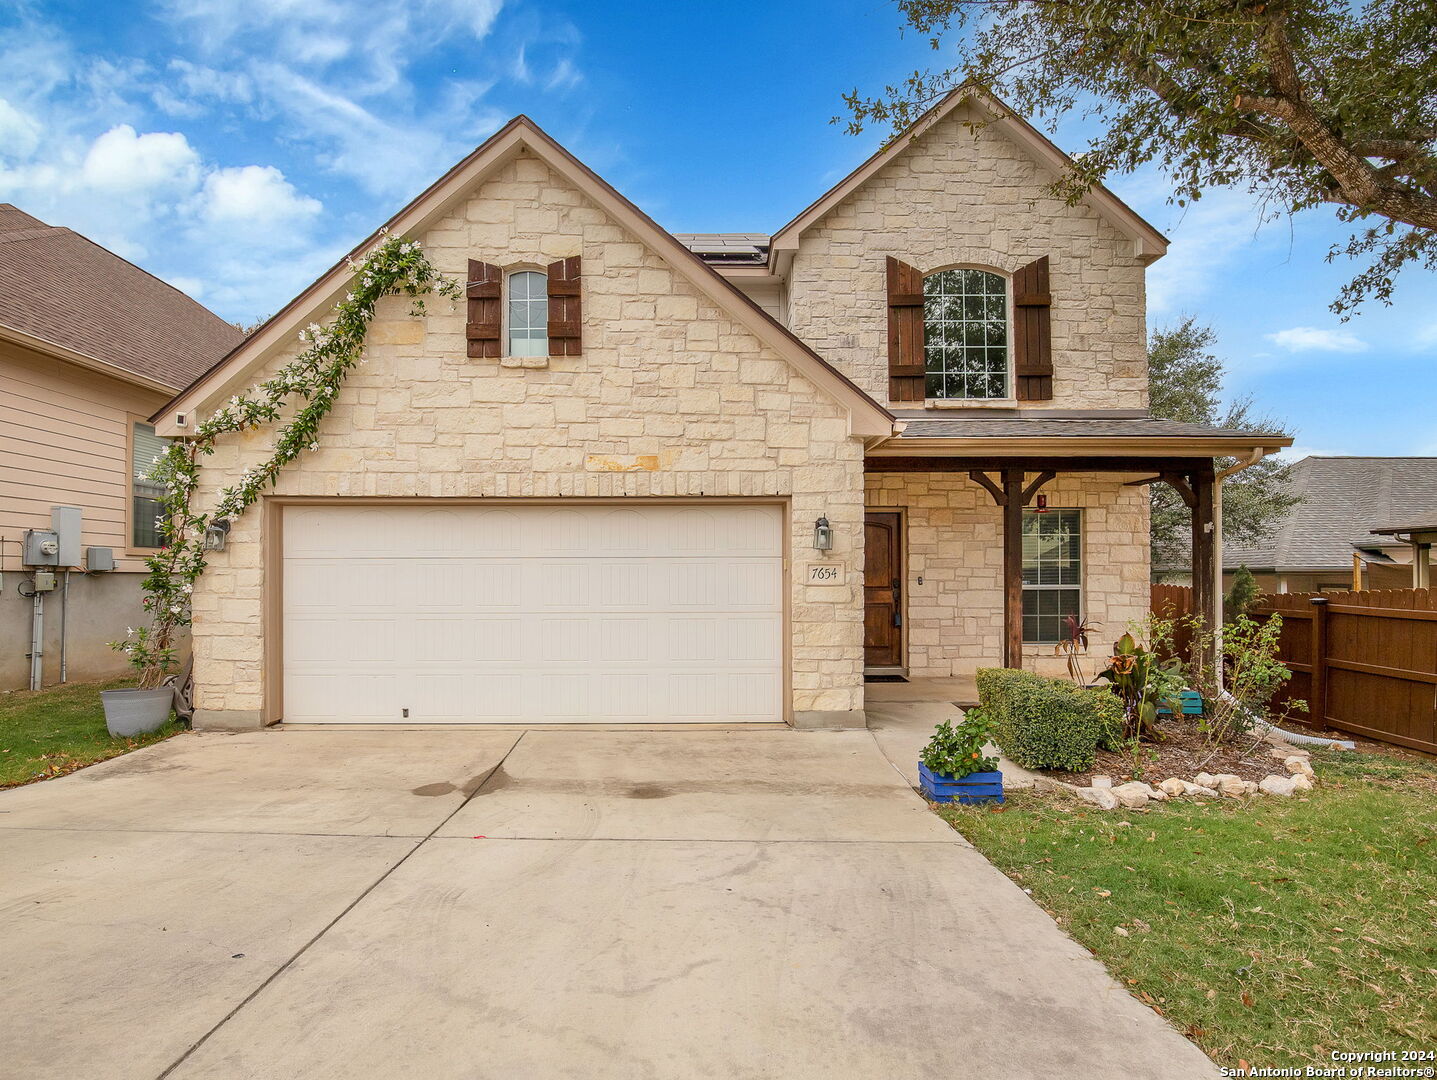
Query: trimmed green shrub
1044,723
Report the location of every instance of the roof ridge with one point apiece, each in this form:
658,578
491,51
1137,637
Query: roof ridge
152,276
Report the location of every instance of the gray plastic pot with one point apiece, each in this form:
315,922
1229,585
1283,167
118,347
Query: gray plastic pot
136,712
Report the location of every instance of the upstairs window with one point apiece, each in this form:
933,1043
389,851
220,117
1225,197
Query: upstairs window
965,335
145,495
528,314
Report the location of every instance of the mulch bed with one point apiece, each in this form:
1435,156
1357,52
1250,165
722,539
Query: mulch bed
1180,752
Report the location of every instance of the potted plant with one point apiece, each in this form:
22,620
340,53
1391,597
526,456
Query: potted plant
954,767
144,708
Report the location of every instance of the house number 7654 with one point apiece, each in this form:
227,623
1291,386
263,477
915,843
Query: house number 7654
822,573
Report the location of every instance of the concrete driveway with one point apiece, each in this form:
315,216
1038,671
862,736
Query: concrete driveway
474,903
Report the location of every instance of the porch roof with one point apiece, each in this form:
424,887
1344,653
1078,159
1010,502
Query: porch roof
1019,436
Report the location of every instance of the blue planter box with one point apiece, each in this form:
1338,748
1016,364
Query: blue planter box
1191,704
974,788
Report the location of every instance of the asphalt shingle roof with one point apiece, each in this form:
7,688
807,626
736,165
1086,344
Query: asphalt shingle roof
1345,498
62,288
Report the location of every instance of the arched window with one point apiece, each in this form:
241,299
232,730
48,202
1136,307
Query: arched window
528,314
965,334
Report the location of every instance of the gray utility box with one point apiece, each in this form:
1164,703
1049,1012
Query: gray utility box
99,558
41,548
67,525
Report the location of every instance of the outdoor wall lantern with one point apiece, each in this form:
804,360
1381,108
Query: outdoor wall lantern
216,533
1042,504
822,535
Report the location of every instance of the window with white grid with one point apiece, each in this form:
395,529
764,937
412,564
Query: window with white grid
1052,573
965,334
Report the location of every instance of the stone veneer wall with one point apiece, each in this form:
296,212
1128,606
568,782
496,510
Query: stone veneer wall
954,540
958,197
671,398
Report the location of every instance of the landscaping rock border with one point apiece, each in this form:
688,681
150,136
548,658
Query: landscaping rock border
1135,795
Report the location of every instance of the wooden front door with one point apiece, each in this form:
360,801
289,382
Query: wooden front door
882,591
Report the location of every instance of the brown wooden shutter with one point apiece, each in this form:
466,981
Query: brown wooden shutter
566,319
1033,332
905,332
484,315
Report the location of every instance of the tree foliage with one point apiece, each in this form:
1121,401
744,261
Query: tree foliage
1306,102
1241,596
1185,383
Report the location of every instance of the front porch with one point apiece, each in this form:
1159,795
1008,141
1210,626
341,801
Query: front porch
984,535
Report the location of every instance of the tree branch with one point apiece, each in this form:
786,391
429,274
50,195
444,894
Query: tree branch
1354,174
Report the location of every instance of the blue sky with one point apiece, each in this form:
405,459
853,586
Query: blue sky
237,147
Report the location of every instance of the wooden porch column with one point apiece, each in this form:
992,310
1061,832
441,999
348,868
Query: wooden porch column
1204,537
1013,568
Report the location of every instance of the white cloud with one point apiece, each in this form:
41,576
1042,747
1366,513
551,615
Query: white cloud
157,163
191,287
1311,339
199,156
1207,237
565,75
19,134
254,195
376,42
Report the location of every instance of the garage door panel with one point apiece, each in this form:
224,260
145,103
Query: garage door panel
357,638
584,613
725,640
368,697
465,640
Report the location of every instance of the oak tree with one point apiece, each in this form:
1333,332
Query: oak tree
1306,102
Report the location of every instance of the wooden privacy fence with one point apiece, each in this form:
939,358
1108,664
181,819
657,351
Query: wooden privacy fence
1175,602
1365,662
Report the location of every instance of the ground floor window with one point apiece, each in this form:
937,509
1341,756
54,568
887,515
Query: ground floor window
145,495
1052,573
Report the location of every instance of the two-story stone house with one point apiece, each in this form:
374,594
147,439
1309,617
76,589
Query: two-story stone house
638,477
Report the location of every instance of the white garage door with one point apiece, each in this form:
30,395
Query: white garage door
532,614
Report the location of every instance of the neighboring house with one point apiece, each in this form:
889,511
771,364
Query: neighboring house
1418,534
603,488
1329,541
90,346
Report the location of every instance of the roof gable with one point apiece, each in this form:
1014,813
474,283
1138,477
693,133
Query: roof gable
1148,244
521,135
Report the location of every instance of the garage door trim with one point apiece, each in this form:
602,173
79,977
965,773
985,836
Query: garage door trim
272,562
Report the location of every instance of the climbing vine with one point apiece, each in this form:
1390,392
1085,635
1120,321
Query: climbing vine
309,385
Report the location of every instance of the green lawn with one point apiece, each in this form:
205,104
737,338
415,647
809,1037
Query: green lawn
52,732
1271,931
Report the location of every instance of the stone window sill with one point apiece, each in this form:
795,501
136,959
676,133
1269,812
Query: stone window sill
524,361
970,403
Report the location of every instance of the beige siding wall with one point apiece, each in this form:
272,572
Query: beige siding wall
960,197
671,398
953,538
64,442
